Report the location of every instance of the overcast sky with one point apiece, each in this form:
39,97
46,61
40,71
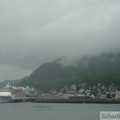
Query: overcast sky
36,31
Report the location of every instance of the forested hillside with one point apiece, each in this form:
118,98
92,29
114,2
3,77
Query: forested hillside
103,69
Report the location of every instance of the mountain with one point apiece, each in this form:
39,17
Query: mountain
104,69
52,76
106,63
90,70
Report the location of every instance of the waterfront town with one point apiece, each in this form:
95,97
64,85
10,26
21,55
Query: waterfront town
81,93
98,92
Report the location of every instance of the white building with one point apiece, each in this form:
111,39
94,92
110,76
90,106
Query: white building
118,95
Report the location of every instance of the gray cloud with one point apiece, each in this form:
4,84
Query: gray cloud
33,32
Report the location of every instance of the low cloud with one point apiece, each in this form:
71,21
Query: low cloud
8,72
34,32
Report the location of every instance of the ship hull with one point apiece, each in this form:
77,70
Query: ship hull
5,99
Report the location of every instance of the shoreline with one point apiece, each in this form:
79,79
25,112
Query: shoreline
76,101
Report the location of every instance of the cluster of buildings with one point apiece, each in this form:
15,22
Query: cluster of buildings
99,92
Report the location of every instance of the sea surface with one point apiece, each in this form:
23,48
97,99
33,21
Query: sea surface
48,111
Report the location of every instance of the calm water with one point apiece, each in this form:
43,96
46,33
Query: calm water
44,111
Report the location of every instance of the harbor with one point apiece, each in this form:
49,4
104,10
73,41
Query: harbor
16,93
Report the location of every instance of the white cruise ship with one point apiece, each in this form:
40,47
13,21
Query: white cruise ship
17,93
5,97
11,93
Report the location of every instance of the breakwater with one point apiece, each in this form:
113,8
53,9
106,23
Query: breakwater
76,101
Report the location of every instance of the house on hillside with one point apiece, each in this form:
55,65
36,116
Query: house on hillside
70,91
